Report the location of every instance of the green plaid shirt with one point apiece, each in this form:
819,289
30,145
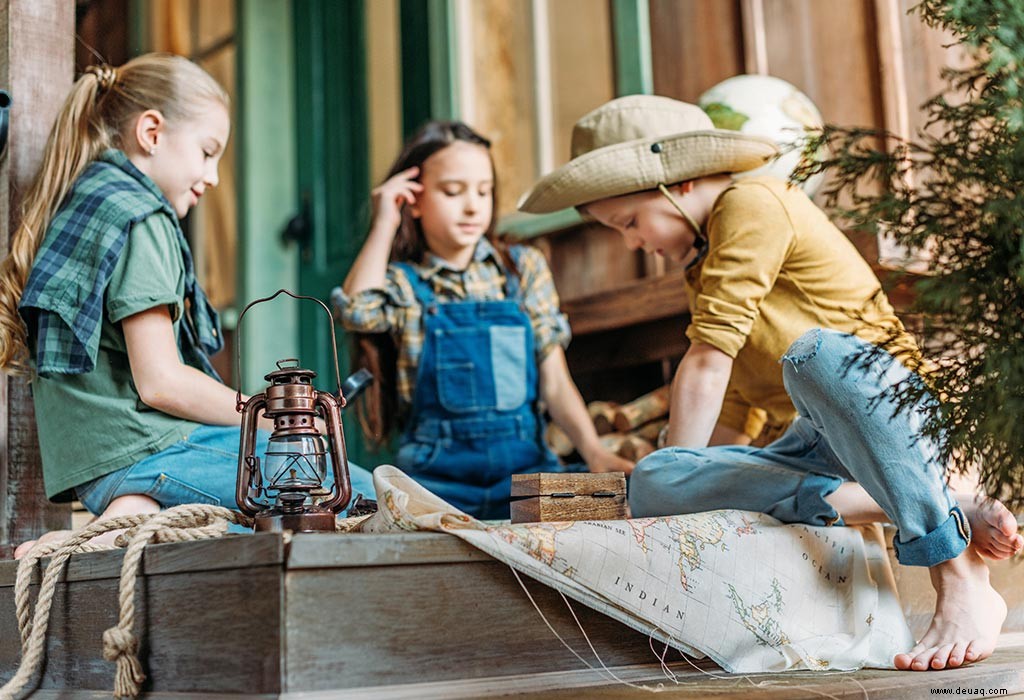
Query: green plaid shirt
394,308
62,303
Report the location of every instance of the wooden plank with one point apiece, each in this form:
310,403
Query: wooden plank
695,44
434,623
36,66
688,680
1003,671
844,87
102,28
700,679
755,45
892,78
71,694
518,685
586,53
262,549
648,300
315,551
207,631
591,258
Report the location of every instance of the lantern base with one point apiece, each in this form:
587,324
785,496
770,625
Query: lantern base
307,521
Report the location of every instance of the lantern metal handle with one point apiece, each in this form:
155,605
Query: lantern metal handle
238,344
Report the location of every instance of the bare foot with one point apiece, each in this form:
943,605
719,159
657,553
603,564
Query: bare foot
52,536
968,616
130,504
107,538
993,527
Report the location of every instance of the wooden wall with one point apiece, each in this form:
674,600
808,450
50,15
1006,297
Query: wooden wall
36,66
862,62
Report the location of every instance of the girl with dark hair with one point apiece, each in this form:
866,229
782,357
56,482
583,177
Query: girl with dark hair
467,334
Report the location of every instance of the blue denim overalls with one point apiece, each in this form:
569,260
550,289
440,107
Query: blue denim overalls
474,420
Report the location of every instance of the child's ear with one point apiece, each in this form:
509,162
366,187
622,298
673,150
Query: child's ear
684,187
149,130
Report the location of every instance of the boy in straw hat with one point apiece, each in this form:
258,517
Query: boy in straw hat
782,306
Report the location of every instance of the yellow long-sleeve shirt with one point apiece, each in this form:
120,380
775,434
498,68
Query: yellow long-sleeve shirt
775,268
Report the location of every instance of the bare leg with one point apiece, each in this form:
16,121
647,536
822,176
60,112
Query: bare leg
132,504
993,527
968,616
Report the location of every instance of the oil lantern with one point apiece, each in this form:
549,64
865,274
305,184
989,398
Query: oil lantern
287,488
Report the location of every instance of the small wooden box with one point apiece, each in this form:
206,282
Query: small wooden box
561,497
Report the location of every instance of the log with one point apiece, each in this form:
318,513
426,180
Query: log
558,441
651,431
642,410
603,415
635,448
612,441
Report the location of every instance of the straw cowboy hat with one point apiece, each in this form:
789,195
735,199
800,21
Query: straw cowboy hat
638,142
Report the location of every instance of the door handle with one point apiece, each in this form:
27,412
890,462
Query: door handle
299,228
5,119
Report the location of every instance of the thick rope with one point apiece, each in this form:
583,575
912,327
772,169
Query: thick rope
181,523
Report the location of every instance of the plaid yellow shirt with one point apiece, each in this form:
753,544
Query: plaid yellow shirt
394,309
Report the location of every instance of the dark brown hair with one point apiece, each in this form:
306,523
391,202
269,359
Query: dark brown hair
378,411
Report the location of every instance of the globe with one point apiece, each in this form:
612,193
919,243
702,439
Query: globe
761,105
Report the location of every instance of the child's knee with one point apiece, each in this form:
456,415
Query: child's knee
659,479
815,358
801,350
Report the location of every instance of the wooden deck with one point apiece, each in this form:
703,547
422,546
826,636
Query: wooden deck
414,615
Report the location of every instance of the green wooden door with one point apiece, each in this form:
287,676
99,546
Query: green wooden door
332,172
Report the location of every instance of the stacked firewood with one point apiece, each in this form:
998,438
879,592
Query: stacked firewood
630,430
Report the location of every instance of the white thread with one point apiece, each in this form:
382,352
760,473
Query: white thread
770,682
665,669
598,657
545,619
566,645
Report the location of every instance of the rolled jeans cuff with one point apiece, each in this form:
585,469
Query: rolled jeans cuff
943,543
811,506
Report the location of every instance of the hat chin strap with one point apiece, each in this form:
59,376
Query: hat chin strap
700,243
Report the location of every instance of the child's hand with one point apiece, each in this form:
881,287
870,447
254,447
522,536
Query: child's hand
605,461
390,197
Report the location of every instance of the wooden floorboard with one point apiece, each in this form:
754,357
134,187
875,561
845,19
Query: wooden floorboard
1002,675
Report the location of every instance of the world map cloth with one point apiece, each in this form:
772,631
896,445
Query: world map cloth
752,594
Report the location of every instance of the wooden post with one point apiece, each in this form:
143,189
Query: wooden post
36,68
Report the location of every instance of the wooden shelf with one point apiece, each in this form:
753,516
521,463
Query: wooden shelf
650,299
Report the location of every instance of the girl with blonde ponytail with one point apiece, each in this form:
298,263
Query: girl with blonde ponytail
99,303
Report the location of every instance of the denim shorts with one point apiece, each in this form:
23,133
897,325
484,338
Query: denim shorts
200,468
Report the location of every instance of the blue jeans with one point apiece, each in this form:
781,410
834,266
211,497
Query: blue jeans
848,429
200,468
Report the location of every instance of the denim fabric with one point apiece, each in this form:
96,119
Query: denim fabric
200,468
474,420
848,429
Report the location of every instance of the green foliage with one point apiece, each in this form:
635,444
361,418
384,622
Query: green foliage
955,190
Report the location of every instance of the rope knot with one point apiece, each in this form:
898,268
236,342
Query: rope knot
122,646
117,642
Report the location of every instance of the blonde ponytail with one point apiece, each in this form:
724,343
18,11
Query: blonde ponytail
101,108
